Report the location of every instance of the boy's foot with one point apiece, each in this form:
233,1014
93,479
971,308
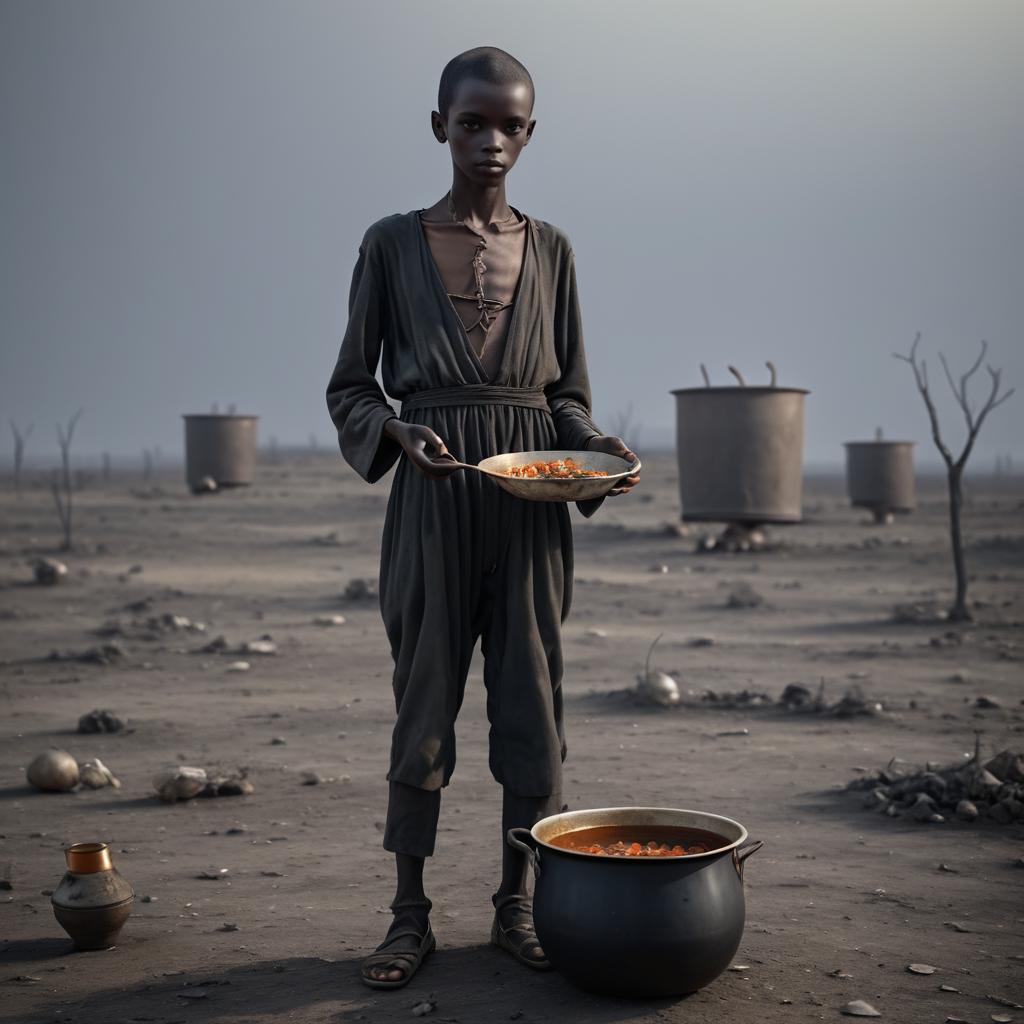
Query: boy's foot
408,941
513,931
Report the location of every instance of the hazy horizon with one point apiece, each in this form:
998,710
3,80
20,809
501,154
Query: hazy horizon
184,187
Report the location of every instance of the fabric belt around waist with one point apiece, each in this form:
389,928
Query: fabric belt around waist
476,394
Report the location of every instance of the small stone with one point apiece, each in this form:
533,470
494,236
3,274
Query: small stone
986,702
859,1008
743,595
966,810
312,778
598,634
261,646
739,967
239,666
96,775
205,485
948,988
700,641
950,870
424,1006
360,590
1001,1018
226,927
48,571
100,720
920,968
278,741
661,569
958,927
212,874
329,620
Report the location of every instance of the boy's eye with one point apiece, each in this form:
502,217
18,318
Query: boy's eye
470,125
514,129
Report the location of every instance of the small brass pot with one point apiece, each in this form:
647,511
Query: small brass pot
93,900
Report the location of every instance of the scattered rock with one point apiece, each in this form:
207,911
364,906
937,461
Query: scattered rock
104,654
920,968
218,645
179,782
986,702
101,720
264,646
958,927
661,569
969,790
743,595
278,741
238,666
96,775
213,874
949,988
424,1006
206,485
597,634
700,641
329,620
48,571
6,871
53,770
311,778
859,1008
228,927
360,590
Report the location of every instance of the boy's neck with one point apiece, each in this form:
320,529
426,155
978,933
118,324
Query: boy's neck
478,205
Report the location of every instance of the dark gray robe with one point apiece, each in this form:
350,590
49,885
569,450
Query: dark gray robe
461,559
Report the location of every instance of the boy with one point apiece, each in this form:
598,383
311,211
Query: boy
473,309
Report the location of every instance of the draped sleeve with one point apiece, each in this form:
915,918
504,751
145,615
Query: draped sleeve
569,396
356,402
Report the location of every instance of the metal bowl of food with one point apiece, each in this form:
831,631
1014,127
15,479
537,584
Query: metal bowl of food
557,475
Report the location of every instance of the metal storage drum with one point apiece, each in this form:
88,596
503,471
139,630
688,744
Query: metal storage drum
740,453
880,475
222,447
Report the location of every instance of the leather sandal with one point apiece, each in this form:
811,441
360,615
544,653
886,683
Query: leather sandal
405,960
519,936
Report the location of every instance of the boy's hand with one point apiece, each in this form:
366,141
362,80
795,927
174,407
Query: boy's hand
422,447
616,446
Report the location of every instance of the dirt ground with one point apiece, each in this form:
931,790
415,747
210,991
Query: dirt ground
839,901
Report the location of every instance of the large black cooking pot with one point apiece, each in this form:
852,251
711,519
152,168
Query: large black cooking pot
637,926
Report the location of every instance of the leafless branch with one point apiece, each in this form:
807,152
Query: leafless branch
921,377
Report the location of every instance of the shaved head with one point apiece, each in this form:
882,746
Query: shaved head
483,63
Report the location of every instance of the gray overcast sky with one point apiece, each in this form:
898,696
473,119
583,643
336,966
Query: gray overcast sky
184,185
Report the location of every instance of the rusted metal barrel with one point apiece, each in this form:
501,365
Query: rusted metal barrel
222,447
880,476
740,453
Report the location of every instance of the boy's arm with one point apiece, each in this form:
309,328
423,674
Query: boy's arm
355,400
569,396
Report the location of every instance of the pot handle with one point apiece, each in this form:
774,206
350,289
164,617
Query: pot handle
741,854
522,839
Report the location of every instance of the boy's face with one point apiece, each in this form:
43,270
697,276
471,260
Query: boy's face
487,127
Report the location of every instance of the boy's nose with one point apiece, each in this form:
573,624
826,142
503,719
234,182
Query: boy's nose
493,145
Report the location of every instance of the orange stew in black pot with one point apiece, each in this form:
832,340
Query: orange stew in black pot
640,841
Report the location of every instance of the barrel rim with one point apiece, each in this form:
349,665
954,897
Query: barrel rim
881,444
219,416
758,389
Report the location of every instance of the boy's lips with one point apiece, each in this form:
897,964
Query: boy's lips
493,165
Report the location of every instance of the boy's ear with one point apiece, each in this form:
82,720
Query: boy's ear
529,131
437,126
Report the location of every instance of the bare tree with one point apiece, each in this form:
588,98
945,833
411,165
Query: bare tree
61,484
955,464
20,437
622,424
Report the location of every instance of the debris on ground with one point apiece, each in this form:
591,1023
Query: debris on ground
104,654
743,595
329,620
859,1008
101,720
992,790
179,782
424,1006
53,770
96,775
48,571
205,485
656,687
360,590
264,645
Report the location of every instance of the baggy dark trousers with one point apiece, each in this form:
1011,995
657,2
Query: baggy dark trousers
462,560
